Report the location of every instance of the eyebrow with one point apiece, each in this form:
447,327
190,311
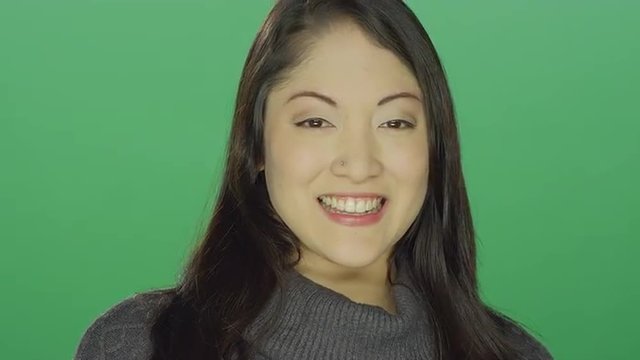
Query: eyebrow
333,103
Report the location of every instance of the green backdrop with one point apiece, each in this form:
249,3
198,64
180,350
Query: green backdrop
114,116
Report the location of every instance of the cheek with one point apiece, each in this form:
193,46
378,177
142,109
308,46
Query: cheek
409,162
290,158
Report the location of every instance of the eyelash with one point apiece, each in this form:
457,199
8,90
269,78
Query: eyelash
408,125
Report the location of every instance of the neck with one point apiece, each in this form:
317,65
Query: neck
368,285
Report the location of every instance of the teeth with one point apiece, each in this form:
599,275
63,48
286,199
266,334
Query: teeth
352,205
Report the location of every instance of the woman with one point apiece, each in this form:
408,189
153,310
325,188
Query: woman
343,228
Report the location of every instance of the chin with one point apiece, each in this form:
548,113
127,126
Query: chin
354,259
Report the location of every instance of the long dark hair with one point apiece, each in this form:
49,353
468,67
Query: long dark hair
247,247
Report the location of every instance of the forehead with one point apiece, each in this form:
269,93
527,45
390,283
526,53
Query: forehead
345,62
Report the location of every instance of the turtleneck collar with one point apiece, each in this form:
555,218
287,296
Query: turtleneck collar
309,320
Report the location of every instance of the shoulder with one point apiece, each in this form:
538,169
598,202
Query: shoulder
122,331
528,346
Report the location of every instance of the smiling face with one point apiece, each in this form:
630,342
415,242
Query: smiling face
342,104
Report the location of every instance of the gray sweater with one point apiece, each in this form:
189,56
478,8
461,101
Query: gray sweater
317,323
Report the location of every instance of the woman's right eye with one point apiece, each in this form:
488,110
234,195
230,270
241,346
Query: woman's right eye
312,123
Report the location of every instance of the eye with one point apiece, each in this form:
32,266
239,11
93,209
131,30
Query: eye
313,123
397,124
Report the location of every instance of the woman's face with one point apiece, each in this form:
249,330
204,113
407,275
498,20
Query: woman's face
383,145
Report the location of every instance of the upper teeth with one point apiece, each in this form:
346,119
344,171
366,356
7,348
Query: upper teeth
350,204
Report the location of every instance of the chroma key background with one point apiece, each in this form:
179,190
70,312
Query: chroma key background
114,116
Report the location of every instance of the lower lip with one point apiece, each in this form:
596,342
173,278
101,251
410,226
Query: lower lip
355,220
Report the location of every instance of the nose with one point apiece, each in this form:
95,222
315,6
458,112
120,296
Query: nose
360,152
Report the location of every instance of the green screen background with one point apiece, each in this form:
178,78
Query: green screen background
114,116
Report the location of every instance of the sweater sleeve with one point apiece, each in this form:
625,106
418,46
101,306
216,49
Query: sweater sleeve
122,332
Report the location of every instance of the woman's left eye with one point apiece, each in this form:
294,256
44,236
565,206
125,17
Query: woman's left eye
397,124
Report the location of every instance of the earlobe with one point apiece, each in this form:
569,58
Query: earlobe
259,174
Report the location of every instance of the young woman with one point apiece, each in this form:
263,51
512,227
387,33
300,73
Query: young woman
343,228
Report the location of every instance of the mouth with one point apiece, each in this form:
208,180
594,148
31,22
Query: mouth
352,206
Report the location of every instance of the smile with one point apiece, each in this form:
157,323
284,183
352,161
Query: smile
351,213
350,205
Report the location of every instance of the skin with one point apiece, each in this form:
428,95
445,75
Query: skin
302,159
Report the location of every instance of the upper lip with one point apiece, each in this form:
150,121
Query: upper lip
354,194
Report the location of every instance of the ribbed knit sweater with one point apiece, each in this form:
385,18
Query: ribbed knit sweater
315,323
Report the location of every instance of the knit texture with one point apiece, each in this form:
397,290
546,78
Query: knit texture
315,322
319,323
